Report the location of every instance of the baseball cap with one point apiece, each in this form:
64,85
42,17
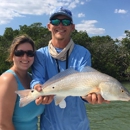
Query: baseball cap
61,11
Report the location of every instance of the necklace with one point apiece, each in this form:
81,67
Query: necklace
57,63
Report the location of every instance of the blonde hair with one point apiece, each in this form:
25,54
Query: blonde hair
16,42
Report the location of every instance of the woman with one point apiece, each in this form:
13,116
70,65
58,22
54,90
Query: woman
12,117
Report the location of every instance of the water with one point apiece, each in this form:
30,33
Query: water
112,116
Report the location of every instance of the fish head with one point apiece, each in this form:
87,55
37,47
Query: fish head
34,93
114,91
27,96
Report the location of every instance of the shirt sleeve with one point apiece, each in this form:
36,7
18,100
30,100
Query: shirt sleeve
38,69
84,59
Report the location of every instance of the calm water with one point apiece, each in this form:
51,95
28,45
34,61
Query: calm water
112,116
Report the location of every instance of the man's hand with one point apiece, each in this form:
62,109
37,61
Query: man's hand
94,98
42,99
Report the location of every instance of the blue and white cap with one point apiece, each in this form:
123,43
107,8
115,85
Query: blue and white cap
61,11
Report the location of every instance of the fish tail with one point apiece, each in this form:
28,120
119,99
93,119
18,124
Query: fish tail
25,97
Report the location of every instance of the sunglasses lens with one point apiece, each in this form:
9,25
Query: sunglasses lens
66,22
30,53
19,53
55,22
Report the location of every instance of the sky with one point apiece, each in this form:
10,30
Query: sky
96,17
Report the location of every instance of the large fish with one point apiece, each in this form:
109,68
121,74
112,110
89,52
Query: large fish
74,83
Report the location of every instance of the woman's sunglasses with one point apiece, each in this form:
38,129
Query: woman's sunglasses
20,53
65,22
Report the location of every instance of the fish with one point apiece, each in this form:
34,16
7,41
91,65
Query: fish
77,83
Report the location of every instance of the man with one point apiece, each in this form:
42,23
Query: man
60,54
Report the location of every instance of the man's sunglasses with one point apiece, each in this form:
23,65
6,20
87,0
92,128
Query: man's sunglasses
20,53
65,22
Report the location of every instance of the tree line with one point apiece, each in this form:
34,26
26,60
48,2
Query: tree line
110,56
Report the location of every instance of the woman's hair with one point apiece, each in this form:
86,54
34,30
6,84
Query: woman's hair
16,42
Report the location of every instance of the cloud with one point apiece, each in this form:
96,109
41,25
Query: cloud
89,27
9,9
120,11
82,3
81,15
120,37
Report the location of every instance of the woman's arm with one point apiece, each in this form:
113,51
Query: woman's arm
8,86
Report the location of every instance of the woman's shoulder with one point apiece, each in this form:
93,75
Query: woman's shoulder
7,79
6,76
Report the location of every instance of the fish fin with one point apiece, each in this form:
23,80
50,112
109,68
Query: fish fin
59,100
96,90
60,75
62,104
89,69
23,93
25,97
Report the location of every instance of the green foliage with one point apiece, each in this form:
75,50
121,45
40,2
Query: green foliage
38,33
109,56
103,49
3,64
81,38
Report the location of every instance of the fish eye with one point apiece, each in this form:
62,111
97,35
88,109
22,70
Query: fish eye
122,90
53,87
32,91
